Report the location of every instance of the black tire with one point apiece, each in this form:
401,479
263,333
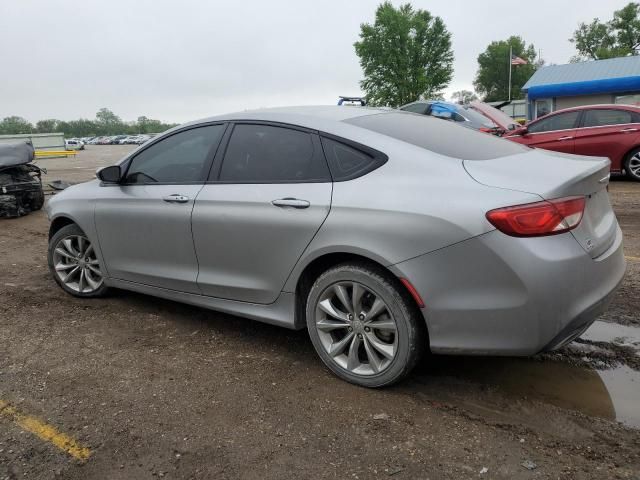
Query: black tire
64,232
410,327
37,201
628,167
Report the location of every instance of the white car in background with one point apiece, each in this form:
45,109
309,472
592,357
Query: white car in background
73,144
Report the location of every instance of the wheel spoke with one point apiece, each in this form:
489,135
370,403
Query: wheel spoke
68,245
377,308
327,307
92,283
352,359
94,269
343,296
338,347
61,267
356,296
327,325
374,361
386,349
81,281
68,276
81,247
386,324
64,253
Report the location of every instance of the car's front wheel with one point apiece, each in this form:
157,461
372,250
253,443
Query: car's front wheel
632,165
363,325
74,264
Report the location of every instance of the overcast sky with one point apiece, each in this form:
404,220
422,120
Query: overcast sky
181,60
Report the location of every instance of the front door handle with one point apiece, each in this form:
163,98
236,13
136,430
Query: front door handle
290,202
561,139
175,198
627,130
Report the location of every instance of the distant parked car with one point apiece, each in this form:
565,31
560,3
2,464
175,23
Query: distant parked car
73,144
462,114
611,131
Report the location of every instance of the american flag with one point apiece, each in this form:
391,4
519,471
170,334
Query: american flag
518,61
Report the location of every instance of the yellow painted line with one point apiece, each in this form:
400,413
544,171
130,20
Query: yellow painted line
633,259
44,431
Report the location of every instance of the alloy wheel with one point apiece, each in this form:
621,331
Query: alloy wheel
76,264
356,328
634,165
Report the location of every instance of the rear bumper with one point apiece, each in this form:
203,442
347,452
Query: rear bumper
501,295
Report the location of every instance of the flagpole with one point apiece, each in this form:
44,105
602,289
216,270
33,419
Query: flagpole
510,62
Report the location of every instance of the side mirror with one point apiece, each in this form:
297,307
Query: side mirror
110,174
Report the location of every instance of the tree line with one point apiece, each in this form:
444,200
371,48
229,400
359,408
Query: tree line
406,55
105,123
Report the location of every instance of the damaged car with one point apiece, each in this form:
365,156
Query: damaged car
20,180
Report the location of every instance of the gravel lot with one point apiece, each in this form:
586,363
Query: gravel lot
159,389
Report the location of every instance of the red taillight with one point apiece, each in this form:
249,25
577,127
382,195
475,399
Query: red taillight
538,219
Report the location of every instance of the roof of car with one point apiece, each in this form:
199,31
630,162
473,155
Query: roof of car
608,106
300,114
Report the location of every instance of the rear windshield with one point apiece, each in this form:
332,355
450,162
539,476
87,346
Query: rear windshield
477,118
439,136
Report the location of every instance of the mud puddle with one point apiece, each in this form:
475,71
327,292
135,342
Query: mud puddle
609,393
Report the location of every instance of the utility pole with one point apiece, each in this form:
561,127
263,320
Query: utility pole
510,62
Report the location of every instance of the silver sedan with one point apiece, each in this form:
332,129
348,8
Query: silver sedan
384,233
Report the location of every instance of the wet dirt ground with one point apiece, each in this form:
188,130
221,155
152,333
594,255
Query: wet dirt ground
158,389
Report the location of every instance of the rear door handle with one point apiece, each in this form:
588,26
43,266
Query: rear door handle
175,198
564,138
290,202
625,130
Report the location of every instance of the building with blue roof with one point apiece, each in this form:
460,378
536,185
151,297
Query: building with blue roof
615,80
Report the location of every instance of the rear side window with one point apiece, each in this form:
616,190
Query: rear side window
348,162
562,121
269,154
179,158
601,117
444,138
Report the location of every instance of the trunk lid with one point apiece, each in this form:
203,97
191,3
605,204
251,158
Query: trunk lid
554,175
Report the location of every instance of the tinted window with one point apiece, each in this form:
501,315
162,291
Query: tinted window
264,154
596,118
444,138
416,108
348,162
562,121
180,158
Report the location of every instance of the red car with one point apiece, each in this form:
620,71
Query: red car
611,131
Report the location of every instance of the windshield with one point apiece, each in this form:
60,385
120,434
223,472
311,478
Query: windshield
444,138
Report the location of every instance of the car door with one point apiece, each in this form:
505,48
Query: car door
144,223
268,195
608,132
553,132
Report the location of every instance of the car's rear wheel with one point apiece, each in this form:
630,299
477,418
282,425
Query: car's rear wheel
632,165
74,263
364,325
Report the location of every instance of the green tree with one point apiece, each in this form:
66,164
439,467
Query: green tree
492,78
406,54
463,96
15,125
49,125
617,38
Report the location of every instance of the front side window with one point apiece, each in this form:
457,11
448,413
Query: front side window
602,117
180,158
562,121
268,154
